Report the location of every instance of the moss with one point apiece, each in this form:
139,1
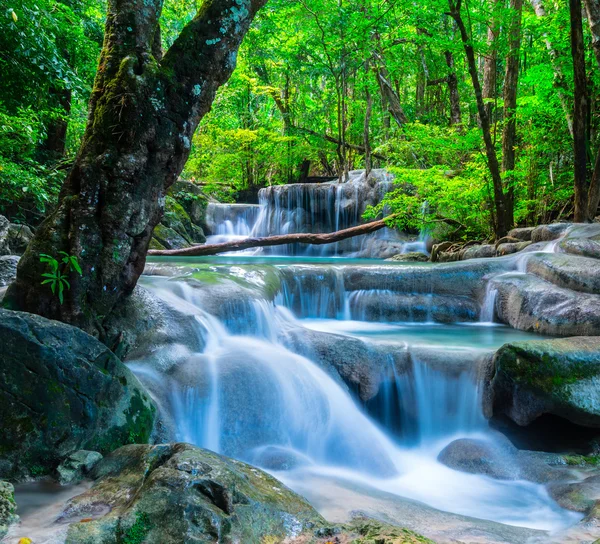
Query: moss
136,534
582,460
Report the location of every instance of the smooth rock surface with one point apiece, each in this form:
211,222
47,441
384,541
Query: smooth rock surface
76,466
61,390
8,269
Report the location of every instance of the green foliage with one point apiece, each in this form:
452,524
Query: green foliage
136,534
58,272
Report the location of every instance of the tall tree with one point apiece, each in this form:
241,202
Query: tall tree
143,112
509,133
580,112
502,223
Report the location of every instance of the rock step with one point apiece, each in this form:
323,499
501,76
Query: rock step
529,303
567,271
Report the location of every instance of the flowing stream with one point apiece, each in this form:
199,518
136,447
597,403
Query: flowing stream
259,389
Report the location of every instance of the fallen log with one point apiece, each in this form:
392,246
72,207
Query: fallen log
278,240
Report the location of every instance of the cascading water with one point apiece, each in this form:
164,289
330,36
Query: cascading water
227,222
249,394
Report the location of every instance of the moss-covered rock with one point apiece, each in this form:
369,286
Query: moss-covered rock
169,238
180,493
61,390
178,219
560,377
193,200
8,507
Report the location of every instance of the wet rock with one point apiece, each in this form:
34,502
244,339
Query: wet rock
529,303
484,251
413,256
586,247
8,507
578,496
61,390
278,458
547,233
437,249
169,238
510,248
568,271
494,458
180,493
146,327
77,466
507,240
559,377
192,199
177,218
523,234
8,269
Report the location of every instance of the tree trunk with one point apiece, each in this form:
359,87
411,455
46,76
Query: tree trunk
580,112
142,115
268,241
366,139
509,134
501,227
53,148
388,93
490,70
455,115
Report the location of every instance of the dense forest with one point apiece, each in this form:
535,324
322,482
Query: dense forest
324,87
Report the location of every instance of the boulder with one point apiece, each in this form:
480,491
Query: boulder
193,200
529,303
76,466
567,271
412,257
177,493
177,218
8,269
523,234
586,247
169,238
511,247
18,237
560,377
547,233
494,458
579,496
484,251
61,390
4,228
8,507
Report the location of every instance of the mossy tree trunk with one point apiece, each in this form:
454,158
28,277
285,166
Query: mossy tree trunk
143,111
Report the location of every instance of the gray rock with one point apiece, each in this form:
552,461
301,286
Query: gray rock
560,377
169,238
523,233
8,269
61,390
8,507
413,256
18,237
579,496
484,251
494,458
567,271
76,466
180,493
510,248
193,200
4,228
586,247
547,233
529,303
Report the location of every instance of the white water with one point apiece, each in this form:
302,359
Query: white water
250,397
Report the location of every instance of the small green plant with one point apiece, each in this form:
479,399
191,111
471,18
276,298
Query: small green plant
59,271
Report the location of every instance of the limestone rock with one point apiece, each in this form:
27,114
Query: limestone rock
484,251
547,233
413,256
18,238
77,465
523,234
511,247
61,390
8,507
180,493
560,377
193,200
567,271
8,269
169,238
529,303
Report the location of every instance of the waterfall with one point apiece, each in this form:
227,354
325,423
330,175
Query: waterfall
488,308
227,222
249,395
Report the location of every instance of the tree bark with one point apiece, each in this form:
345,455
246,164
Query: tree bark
580,112
509,133
490,62
143,112
268,241
501,226
53,147
455,114
366,129
560,81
